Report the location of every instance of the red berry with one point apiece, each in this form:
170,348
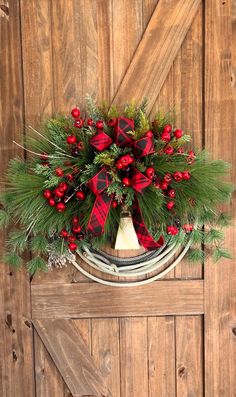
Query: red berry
119,166
69,177
170,205
75,113
59,171
165,136
186,175
61,207
190,160
167,128
90,122
164,185
177,176
180,150
47,194
80,145
149,134
114,204
62,186
79,123
167,178
112,122
80,195
76,229
44,156
75,220
58,193
99,125
63,233
72,246
172,230
71,139
46,164
124,161
171,193
150,172
71,239
169,150
188,228
191,153
178,134
131,160
51,202
126,182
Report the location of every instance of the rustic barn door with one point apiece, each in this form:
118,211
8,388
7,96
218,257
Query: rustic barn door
170,338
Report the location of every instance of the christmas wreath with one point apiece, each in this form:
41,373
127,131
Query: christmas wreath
85,175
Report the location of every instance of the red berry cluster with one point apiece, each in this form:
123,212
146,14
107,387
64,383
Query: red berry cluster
56,196
124,161
76,234
167,135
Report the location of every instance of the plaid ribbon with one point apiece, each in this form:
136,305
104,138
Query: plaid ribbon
122,127
144,146
139,181
144,237
101,141
98,184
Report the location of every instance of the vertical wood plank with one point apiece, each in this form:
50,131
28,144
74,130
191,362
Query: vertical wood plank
189,356
161,356
188,87
37,60
127,31
16,356
75,60
133,357
105,350
220,278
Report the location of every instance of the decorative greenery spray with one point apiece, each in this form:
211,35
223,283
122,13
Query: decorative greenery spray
81,173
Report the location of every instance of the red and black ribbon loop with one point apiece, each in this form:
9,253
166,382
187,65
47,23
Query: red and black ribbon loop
144,237
98,184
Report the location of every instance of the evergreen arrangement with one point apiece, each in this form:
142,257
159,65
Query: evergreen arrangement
82,173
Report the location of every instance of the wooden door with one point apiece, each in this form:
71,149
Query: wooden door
176,337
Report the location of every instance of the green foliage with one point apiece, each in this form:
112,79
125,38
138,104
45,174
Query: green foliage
93,110
221,253
4,219
223,220
38,244
36,264
12,259
195,255
163,118
17,241
214,236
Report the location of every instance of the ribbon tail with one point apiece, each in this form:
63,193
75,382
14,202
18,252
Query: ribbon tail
99,214
144,237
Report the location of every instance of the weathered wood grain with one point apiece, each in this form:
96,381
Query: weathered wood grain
188,84
72,358
133,357
106,353
161,356
75,52
220,278
157,50
48,381
189,356
37,60
88,300
16,355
